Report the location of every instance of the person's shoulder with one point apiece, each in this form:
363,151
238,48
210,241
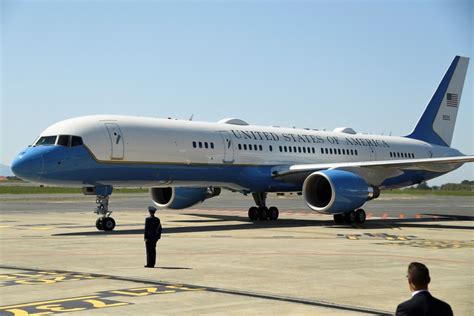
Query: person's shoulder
441,305
405,308
406,303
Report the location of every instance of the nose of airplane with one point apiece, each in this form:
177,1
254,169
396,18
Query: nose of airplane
28,165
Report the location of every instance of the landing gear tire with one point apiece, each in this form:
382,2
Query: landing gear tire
253,213
360,216
98,224
339,218
108,223
263,213
273,213
350,217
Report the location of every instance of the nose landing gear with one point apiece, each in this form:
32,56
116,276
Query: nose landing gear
102,193
105,222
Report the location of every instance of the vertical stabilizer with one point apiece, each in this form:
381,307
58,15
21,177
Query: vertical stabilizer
436,125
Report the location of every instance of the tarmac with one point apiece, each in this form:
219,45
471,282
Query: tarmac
212,260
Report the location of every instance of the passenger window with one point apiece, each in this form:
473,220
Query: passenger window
279,147
245,146
63,140
255,147
212,145
355,152
339,151
200,144
313,150
289,149
240,147
194,144
205,145
322,150
46,140
284,147
326,150
76,141
299,149
330,151
294,149
270,148
343,151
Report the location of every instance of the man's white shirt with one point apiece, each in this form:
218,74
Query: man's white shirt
416,292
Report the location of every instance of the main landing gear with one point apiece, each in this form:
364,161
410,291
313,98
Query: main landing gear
261,211
105,222
358,216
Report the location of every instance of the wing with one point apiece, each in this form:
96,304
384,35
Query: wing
374,172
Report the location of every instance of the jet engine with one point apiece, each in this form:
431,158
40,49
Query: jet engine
336,191
181,197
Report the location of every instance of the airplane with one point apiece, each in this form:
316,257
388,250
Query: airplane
186,162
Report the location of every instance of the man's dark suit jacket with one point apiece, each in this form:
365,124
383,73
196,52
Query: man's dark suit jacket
424,303
152,228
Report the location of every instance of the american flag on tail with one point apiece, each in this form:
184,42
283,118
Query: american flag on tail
452,99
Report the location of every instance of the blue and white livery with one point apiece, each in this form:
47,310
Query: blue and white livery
186,162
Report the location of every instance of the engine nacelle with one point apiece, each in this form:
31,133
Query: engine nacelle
336,191
182,197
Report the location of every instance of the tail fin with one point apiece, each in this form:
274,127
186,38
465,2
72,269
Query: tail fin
436,125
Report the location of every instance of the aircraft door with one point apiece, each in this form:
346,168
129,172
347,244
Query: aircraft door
116,141
228,147
373,155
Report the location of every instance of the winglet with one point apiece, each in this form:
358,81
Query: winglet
436,125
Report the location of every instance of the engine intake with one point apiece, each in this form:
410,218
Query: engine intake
181,197
336,191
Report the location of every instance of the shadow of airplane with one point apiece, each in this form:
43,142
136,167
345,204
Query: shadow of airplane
440,222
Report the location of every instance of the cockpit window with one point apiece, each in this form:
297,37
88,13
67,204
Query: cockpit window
46,141
64,140
76,141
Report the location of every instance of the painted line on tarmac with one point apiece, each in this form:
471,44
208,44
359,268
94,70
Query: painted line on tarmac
43,277
265,296
98,301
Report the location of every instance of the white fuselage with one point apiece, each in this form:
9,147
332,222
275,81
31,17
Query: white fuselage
154,140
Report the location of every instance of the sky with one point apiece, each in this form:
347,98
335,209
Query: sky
369,65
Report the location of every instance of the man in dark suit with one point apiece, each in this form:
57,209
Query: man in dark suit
421,302
152,235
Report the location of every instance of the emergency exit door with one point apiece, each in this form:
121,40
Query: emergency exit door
116,141
228,147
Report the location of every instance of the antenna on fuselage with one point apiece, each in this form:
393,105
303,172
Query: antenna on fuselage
191,118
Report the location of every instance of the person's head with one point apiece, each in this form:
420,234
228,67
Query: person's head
152,210
418,276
